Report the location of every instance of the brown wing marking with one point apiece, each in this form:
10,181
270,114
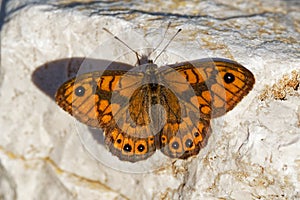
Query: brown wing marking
219,84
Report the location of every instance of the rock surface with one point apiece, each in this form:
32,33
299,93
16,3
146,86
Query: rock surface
253,152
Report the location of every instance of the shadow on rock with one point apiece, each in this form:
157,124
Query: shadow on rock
49,76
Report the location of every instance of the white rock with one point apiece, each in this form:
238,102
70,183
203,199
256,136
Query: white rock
253,151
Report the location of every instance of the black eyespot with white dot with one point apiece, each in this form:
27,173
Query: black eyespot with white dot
141,148
79,91
228,77
175,145
189,143
127,147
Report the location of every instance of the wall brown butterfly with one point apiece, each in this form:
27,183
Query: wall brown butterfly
151,108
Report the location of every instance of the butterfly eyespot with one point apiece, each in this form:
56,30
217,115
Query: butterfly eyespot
119,141
141,148
175,145
127,148
189,143
228,77
79,91
196,134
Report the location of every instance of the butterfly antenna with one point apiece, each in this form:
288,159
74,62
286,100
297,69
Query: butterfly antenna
168,26
136,53
167,44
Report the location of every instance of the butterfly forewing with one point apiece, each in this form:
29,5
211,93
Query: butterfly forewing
87,97
219,84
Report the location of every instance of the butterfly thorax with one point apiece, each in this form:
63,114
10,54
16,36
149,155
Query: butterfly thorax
150,71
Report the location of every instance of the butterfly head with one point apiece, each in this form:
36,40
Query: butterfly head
144,59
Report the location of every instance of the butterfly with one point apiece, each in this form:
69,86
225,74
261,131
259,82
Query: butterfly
146,108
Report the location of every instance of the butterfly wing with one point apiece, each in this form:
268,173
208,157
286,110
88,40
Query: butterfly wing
87,97
219,84
184,132
204,89
133,137
110,100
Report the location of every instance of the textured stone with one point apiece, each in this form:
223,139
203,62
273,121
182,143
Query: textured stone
254,149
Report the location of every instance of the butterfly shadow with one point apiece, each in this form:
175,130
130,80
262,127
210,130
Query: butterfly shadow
51,75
